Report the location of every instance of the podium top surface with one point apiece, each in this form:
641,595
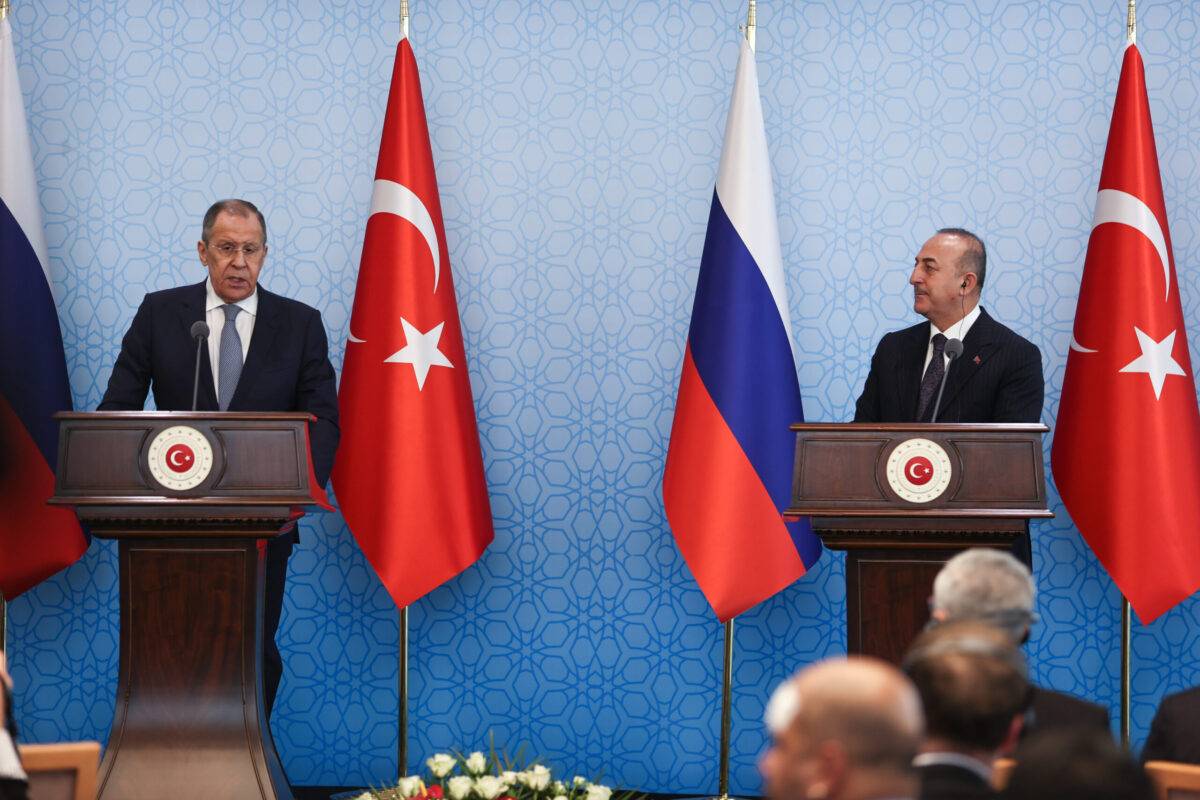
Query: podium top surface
924,427
176,416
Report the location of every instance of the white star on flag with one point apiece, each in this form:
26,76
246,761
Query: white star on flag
1155,360
421,351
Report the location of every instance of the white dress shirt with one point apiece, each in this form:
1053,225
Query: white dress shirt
214,315
957,331
945,759
10,764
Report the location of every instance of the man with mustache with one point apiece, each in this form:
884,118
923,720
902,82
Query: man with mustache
998,377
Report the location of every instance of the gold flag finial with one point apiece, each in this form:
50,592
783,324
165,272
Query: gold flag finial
3,9
403,18
751,23
1131,23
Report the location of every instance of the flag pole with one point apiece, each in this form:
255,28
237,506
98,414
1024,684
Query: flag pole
403,19
726,712
3,16
402,755
1126,637
1131,23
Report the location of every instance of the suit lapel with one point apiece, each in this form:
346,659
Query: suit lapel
262,342
909,370
192,311
978,342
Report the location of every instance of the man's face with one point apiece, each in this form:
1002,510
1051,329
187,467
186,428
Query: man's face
234,255
938,291
796,769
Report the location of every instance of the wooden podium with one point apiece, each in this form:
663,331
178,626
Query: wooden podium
902,499
192,499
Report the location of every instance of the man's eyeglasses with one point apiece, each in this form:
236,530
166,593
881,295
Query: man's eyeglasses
228,250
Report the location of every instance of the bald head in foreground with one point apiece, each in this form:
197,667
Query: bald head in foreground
843,729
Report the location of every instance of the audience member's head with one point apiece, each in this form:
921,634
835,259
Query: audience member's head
973,687
1076,765
988,586
843,729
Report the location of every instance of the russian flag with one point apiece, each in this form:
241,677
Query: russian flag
729,464
36,540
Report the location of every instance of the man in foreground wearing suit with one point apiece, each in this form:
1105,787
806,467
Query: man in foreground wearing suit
998,377
270,354
974,692
1175,730
14,784
993,588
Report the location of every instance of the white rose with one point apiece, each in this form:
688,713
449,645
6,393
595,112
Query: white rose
489,787
598,792
476,763
579,780
559,788
365,796
537,778
510,778
410,786
560,797
440,764
459,787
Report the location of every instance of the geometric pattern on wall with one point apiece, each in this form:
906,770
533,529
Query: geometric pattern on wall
576,147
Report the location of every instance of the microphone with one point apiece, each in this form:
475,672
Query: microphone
953,349
200,334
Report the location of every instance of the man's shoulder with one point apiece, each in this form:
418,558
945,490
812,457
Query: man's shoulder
280,304
1188,699
1053,709
176,294
1000,333
913,333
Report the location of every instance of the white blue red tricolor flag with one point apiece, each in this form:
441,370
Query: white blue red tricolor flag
36,540
729,464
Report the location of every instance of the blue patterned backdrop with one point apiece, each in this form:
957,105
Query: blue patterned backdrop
577,145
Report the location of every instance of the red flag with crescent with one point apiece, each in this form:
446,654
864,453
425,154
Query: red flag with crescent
1126,454
409,473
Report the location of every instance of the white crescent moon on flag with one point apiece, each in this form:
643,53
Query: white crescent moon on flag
1123,208
389,197
175,458
1113,205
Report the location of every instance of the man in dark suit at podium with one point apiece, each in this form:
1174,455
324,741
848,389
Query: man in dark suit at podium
998,377
270,354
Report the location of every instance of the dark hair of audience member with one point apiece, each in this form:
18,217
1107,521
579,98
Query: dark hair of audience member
1076,764
972,683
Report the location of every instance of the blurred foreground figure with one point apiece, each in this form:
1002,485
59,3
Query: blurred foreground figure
1077,765
971,679
844,729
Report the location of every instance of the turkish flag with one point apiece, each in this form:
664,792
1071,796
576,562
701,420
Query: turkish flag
1126,455
409,473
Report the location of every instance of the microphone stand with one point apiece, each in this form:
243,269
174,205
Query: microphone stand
954,349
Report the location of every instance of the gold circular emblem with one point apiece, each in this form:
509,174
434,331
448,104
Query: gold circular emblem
180,458
918,470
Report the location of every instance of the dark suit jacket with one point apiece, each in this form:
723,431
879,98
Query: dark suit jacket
287,367
998,378
949,782
11,788
1175,731
1053,710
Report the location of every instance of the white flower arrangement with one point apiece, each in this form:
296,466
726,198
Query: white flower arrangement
478,777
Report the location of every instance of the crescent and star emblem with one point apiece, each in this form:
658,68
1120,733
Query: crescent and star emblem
919,470
1156,360
421,348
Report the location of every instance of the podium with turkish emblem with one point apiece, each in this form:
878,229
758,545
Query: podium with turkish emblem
192,498
902,499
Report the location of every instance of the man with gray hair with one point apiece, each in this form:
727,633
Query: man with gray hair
993,587
843,729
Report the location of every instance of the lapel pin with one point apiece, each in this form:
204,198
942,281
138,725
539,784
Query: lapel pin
978,361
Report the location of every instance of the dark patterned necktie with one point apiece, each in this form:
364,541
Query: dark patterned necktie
933,376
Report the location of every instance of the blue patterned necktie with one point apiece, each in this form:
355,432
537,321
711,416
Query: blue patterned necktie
231,357
929,384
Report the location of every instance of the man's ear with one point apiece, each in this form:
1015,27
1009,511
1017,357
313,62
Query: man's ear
835,767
